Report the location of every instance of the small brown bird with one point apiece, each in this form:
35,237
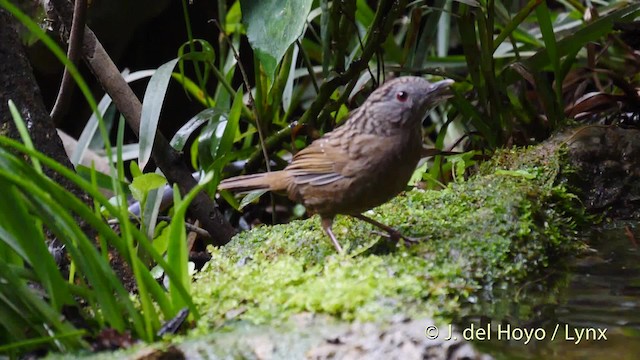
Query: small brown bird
361,164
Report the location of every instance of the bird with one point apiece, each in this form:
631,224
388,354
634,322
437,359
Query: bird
361,164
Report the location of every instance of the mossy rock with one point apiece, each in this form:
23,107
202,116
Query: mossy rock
503,226
508,225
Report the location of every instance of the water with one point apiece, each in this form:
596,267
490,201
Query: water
588,310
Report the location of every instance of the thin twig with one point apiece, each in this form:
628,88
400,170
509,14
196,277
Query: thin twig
324,37
307,63
376,80
192,48
191,228
73,54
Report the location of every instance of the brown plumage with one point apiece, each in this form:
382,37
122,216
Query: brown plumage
363,163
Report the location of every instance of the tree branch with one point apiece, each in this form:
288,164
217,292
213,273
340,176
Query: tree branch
73,53
167,159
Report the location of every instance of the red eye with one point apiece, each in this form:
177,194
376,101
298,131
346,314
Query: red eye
402,96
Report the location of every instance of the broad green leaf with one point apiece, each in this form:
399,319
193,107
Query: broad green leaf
230,199
546,28
223,96
272,26
142,184
232,22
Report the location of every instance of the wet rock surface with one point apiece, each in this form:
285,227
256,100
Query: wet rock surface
606,160
314,337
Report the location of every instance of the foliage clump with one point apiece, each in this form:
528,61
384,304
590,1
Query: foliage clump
502,226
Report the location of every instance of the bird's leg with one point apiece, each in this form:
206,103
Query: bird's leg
326,226
393,233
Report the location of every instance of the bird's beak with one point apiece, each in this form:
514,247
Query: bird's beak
440,91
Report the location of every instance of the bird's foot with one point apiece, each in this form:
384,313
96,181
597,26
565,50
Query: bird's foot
396,235
391,233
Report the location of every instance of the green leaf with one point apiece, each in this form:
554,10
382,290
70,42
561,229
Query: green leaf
142,184
512,26
89,138
28,320
177,252
272,26
193,89
103,181
54,206
24,133
590,32
28,241
52,203
232,22
216,139
516,173
209,138
546,28
151,106
231,128
417,174
364,13
182,135
161,242
251,197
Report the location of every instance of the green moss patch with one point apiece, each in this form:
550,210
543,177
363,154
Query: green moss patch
501,227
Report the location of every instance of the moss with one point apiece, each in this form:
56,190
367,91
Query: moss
503,226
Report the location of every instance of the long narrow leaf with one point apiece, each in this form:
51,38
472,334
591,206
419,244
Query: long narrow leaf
97,223
28,242
151,107
21,309
577,40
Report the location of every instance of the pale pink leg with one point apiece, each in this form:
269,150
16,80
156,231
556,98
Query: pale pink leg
326,226
393,233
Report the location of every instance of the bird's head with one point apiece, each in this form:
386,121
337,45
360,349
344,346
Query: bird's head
404,101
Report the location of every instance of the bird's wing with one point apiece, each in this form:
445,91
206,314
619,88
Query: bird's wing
329,159
320,163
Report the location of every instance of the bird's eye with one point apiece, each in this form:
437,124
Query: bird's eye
402,96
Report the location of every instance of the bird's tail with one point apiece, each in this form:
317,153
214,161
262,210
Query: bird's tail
272,181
